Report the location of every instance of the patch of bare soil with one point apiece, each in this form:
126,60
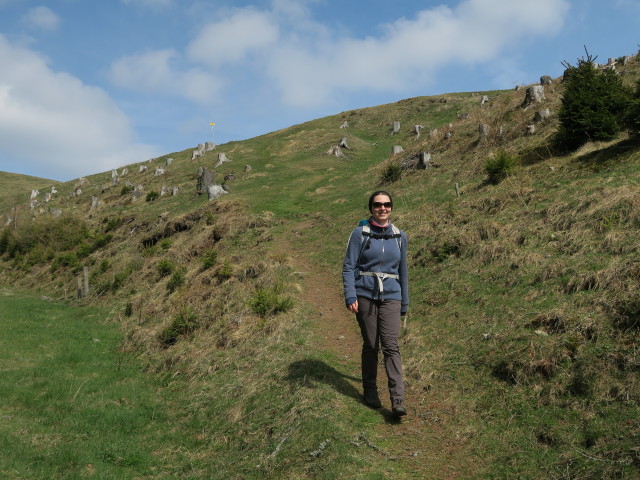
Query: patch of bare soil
423,441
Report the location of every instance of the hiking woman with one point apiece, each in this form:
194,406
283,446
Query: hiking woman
376,290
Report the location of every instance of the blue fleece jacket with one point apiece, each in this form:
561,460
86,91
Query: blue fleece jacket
369,254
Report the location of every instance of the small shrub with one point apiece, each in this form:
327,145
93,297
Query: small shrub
176,280
126,189
66,259
183,323
118,280
225,271
267,302
442,252
165,244
104,266
165,267
209,259
499,166
152,195
112,223
391,173
6,240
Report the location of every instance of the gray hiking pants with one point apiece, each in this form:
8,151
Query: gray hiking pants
380,326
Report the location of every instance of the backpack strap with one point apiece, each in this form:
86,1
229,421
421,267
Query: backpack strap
367,235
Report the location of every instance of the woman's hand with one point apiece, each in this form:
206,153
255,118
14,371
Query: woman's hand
353,307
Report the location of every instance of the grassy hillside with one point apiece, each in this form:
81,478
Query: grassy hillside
520,348
16,188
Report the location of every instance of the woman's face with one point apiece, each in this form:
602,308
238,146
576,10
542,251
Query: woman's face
381,209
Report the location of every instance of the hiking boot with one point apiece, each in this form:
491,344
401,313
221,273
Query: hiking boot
372,399
398,407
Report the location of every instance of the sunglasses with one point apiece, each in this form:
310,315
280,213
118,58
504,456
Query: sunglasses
381,204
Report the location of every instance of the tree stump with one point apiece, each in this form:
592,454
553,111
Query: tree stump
345,124
335,151
222,158
484,100
343,143
396,127
542,115
396,149
247,168
143,168
205,180
531,129
545,80
159,171
483,130
421,161
533,94
215,191
416,129
208,146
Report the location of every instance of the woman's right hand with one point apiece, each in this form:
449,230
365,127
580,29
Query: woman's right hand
353,307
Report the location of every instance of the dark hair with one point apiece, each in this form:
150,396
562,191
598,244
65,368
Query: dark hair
375,194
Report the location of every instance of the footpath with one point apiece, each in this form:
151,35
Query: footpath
422,442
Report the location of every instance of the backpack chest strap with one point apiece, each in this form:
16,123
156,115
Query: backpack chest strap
380,276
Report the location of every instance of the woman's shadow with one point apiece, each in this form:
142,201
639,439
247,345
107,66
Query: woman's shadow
310,372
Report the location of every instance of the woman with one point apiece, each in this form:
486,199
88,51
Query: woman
376,290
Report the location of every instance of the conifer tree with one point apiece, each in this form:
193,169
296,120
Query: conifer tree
594,104
633,113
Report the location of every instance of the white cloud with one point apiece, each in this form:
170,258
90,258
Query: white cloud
233,39
42,18
309,65
54,124
410,51
153,72
285,51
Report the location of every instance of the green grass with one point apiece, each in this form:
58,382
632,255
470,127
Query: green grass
73,405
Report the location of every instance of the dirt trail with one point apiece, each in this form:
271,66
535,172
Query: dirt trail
424,443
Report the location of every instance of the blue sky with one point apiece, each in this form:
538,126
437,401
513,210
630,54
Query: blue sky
90,86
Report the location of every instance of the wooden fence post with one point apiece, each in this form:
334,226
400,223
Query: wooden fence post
85,274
